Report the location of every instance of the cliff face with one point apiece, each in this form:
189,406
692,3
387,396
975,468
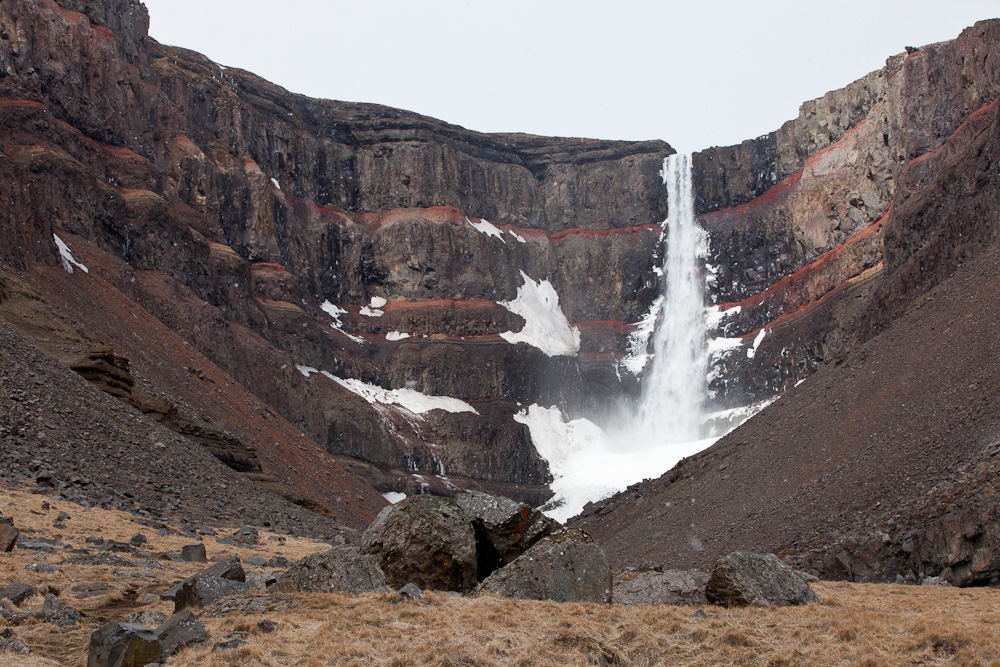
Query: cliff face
813,227
241,216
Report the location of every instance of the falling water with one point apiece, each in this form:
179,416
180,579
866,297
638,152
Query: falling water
674,394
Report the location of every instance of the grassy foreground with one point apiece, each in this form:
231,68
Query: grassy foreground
854,624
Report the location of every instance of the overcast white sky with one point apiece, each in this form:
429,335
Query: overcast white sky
696,73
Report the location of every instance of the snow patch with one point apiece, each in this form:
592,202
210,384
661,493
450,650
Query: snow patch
756,343
306,370
717,316
394,496
638,339
517,237
67,258
408,399
276,184
396,335
334,312
546,327
719,345
587,464
373,308
488,228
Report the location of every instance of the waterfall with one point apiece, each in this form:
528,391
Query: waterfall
676,387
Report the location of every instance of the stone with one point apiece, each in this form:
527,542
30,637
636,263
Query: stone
229,568
674,587
194,553
96,540
246,535
13,615
8,534
425,540
934,581
255,561
137,540
41,567
566,566
410,592
58,613
62,516
148,617
112,560
9,643
340,569
504,528
228,645
266,625
181,630
204,590
123,645
17,592
743,579
277,561
260,581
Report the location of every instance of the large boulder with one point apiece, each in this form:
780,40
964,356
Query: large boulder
744,579
676,587
341,569
8,534
504,528
425,540
566,566
123,645
224,578
181,630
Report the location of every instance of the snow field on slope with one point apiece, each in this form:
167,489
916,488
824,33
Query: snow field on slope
546,327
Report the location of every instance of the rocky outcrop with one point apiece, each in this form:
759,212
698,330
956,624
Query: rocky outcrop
566,566
673,587
423,540
504,529
744,579
8,534
341,569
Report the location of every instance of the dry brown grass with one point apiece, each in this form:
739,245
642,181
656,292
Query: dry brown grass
855,624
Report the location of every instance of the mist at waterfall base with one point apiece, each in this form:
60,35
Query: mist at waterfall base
672,418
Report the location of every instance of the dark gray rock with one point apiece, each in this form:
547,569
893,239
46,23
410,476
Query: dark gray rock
277,561
425,540
17,592
123,645
90,589
229,568
13,615
57,612
180,630
410,592
112,560
62,516
566,566
137,540
203,591
96,540
675,587
41,567
148,617
134,574
194,553
255,561
266,625
246,535
749,579
8,534
259,581
343,569
9,643
227,646
504,528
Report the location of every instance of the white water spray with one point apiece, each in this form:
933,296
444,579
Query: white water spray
676,388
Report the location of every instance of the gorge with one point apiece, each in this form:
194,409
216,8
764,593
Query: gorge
339,301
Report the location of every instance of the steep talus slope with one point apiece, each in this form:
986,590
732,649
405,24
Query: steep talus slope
58,428
898,440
